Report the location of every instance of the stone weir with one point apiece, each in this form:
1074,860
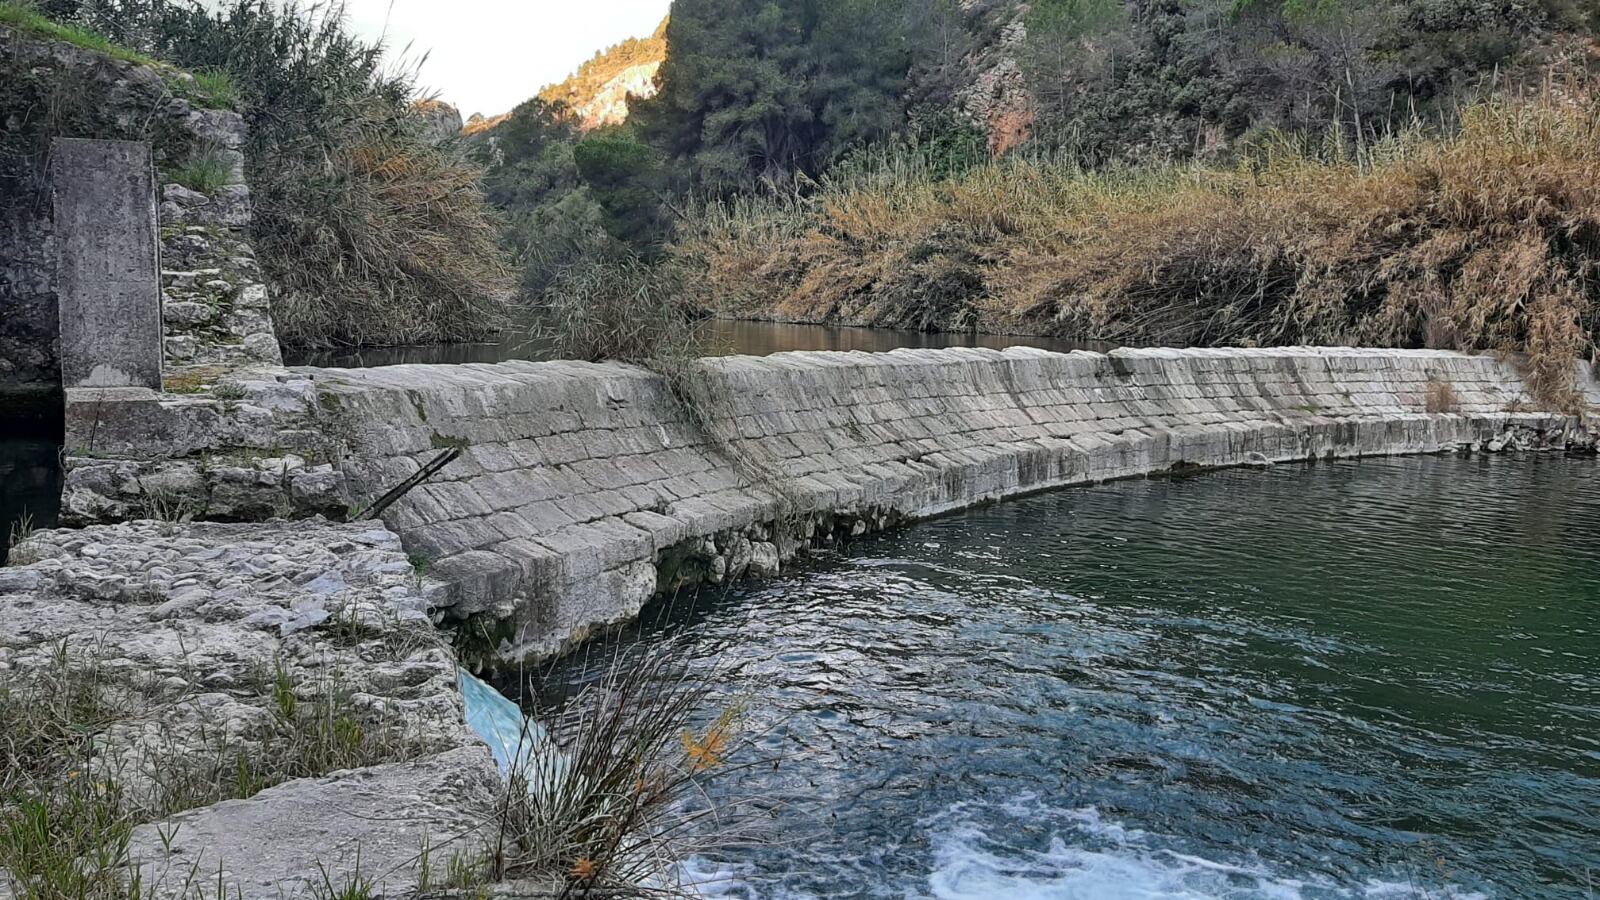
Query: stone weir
581,490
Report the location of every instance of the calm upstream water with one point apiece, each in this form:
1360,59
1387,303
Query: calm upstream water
1359,679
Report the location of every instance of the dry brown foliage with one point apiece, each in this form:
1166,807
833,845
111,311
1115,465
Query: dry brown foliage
387,241
1441,397
1488,239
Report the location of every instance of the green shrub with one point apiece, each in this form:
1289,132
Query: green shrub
552,220
628,180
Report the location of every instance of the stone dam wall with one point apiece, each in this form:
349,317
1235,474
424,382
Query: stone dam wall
582,490
577,492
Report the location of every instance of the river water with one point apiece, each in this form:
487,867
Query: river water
1357,679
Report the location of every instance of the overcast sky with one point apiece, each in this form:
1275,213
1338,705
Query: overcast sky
487,56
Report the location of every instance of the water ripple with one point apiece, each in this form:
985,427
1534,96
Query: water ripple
1371,679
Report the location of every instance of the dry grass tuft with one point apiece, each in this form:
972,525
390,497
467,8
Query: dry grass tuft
619,308
385,241
1488,239
615,797
1441,397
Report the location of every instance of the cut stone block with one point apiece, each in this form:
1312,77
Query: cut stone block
108,266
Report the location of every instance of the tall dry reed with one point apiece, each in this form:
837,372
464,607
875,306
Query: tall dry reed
1487,238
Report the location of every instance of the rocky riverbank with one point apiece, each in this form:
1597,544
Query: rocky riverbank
258,704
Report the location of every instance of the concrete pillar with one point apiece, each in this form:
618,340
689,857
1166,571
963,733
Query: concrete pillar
108,270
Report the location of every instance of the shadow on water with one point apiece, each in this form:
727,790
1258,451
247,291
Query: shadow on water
30,466
721,337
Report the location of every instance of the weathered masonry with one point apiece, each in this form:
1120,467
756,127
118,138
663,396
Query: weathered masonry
109,271
584,489
83,227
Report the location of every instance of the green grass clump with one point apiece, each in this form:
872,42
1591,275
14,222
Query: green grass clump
213,89
24,17
64,833
204,172
620,308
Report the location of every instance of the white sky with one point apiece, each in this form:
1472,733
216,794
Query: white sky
486,56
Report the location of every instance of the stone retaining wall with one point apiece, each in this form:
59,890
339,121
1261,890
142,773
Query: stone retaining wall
215,317
584,489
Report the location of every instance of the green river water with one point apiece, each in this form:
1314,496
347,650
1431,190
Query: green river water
1355,679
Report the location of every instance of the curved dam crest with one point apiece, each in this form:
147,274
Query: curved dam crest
582,490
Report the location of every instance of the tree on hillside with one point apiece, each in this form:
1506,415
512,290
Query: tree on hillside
626,178
553,220
1073,45
757,89
1165,78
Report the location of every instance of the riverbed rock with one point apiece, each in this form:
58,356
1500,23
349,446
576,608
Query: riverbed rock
369,826
197,630
764,559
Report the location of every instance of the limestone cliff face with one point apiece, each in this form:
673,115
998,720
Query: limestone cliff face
597,94
609,105
996,97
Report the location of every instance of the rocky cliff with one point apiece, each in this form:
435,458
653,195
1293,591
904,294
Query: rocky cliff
609,104
439,121
597,94
994,96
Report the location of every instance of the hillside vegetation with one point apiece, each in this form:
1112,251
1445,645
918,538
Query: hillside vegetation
1486,239
1392,172
368,232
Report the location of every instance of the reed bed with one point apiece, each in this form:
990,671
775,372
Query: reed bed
1485,238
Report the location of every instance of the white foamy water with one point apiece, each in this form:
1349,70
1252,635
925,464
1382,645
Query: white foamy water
1087,858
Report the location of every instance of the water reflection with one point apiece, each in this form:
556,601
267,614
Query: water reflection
30,468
